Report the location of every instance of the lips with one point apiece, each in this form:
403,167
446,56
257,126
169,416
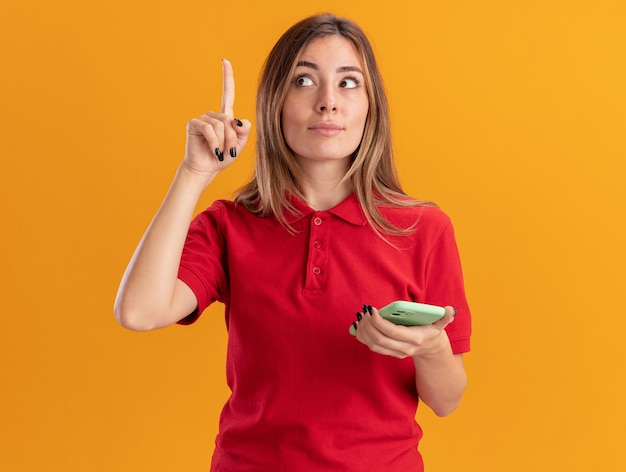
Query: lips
326,128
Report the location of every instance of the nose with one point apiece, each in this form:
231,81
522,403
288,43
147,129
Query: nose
327,100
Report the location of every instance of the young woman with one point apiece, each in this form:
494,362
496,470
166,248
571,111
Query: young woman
320,237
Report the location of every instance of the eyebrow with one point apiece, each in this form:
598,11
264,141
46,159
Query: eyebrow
314,66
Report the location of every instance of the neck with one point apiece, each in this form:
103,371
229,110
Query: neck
322,184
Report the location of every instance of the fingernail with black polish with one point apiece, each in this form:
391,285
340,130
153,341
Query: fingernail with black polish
359,317
238,122
233,152
219,154
355,325
364,309
369,310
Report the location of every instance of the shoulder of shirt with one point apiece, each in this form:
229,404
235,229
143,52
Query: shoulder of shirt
219,206
222,209
426,214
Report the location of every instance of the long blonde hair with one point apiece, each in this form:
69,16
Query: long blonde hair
373,172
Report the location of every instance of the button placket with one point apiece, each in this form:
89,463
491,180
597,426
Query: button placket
318,255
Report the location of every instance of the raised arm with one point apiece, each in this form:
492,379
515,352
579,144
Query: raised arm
150,294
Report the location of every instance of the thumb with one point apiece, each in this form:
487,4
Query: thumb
447,318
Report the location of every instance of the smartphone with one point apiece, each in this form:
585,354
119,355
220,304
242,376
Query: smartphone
409,314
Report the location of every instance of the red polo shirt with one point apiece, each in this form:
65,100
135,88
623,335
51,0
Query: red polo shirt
306,395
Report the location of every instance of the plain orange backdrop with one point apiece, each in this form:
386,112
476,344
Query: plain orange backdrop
510,115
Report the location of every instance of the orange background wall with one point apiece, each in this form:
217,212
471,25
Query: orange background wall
511,115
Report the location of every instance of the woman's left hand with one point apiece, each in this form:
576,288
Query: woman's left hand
384,337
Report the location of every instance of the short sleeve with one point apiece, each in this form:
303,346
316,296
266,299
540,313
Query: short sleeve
445,286
203,260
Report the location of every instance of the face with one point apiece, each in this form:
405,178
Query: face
326,106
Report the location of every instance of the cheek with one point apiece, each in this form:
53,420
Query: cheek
360,109
290,114
286,126
361,116
291,121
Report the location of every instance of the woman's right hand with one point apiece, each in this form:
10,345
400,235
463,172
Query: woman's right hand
215,139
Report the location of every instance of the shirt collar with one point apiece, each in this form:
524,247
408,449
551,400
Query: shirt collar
348,210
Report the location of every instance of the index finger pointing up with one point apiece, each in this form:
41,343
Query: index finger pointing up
228,88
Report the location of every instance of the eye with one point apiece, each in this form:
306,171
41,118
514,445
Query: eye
349,83
303,81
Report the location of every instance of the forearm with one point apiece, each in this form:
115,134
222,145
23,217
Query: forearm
440,377
146,297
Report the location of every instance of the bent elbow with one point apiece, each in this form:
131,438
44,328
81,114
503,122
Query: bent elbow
446,408
130,319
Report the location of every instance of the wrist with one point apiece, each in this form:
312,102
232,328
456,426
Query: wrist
194,178
437,347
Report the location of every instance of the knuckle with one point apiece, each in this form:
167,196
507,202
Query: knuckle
376,348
